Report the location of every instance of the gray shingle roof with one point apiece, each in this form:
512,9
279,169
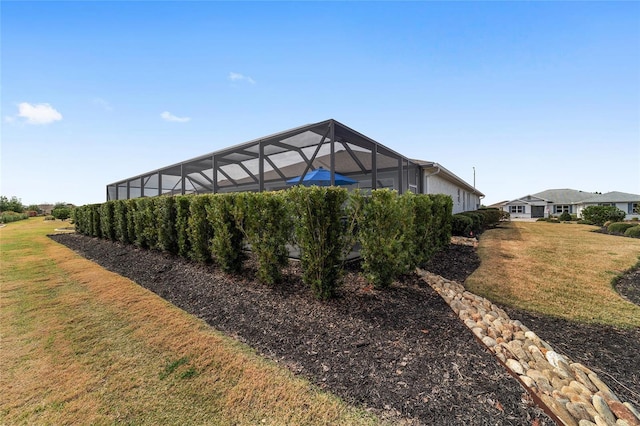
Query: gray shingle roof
613,197
564,196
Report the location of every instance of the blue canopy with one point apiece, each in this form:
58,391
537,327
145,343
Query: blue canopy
321,177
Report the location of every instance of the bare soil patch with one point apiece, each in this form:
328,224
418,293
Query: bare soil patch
402,352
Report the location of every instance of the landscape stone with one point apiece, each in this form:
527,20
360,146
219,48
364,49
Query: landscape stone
553,358
603,410
602,387
578,412
600,422
632,409
580,388
623,413
489,342
581,377
621,422
559,411
515,366
577,365
586,423
528,381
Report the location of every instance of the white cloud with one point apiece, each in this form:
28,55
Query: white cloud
167,116
36,114
234,76
102,104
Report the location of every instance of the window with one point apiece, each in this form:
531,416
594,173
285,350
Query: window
458,195
561,208
516,209
632,208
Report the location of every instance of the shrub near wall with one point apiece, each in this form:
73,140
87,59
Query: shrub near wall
183,203
120,219
226,242
199,229
321,236
441,211
266,222
598,215
620,227
107,222
423,238
385,233
461,225
165,211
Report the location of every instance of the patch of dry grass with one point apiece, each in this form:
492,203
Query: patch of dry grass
83,345
562,270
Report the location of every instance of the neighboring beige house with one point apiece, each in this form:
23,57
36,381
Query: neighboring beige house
554,202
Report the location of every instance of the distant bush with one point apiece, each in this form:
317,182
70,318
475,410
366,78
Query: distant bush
553,220
619,227
49,217
601,214
565,217
542,219
461,225
633,232
11,216
62,213
574,216
585,222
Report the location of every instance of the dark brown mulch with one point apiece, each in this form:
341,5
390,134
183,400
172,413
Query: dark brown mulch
629,285
401,353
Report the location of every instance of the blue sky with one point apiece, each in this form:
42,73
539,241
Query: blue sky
533,95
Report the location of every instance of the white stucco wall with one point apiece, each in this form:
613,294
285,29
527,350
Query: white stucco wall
463,200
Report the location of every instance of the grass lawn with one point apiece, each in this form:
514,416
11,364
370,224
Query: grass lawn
80,344
557,269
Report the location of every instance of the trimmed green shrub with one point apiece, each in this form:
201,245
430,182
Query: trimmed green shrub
461,225
619,227
199,229
585,222
385,235
226,242
94,214
441,210
633,232
11,216
165,212
492,216
145,223
542,219
107,223
600,214
120,213
266,222
424,247
132,208
183,203
320,235
565,216
478,222
62,213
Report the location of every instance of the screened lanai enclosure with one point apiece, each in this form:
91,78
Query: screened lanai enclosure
267,163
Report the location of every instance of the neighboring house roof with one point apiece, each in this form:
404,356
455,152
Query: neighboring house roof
613,197
528,199
564,196
572,196
433,167
499,204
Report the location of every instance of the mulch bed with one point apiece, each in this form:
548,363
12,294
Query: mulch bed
401,353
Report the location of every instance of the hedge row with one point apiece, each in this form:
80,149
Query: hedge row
395,232
473,223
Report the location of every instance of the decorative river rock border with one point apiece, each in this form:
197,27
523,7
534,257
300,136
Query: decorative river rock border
571,391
